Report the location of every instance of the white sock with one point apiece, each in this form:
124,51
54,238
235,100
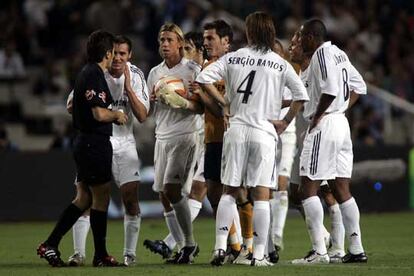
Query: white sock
195,207
183,215
170,242
279,205
238,226
261,224
350,217
132,225
338,230
226,210
270,246
314,221
175,230
80,232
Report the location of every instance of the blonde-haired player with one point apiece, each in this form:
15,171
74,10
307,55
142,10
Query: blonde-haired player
176,139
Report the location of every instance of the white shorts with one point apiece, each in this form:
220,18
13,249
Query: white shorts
288,150
327,150
125,162
249,157
174,161
199,172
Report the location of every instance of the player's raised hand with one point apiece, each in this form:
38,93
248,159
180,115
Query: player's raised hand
127,74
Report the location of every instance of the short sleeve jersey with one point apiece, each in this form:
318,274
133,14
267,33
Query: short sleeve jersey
330,72
169,121
254,83
121,100
91,90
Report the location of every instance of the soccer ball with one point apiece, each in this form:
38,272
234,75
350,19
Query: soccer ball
170,84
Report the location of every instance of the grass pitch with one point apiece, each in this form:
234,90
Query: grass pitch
388,240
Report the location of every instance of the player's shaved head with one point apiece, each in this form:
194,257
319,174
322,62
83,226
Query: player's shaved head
260,30
316,28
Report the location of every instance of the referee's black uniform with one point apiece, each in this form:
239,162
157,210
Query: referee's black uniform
92,148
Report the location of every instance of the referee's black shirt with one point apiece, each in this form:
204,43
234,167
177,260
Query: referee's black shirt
90,90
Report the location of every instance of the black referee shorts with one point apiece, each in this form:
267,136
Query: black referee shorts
212,161
93,158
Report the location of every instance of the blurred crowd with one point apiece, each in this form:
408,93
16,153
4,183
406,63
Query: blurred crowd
50,35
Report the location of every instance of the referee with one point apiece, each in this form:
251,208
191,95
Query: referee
92,152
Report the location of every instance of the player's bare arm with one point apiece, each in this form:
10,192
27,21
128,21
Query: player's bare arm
195,107
324,102
138,108
211,105
286,103
353,99
294,108
214,93
108,116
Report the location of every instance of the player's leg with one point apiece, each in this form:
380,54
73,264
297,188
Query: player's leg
314,220
80,232
350,217
132,221
347,204
280,203
261,176
125,167
212,169
196,197
261,225
49,248
337,235
225,217
317,162
178,176
198,187
245,208
231,174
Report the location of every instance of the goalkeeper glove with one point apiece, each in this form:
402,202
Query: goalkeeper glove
175,100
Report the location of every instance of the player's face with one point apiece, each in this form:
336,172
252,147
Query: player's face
295,50
190,50
169,45
121,56
214,45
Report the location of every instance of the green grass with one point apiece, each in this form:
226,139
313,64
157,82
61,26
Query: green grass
388,240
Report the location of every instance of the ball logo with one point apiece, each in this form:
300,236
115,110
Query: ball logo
89,94
102,96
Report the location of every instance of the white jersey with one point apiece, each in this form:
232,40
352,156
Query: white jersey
330,72
287,95
254,84
169,121
121,100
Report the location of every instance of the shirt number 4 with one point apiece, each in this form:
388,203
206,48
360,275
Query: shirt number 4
246,86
